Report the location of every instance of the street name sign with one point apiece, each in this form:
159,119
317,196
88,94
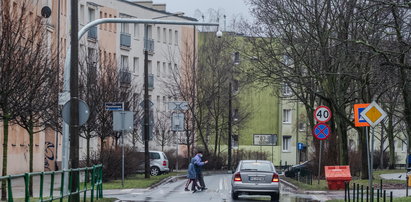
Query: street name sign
321,131
373,114
322,114
114,106
359,120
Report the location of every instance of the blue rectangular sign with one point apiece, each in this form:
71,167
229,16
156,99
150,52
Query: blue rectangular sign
300,146
114,106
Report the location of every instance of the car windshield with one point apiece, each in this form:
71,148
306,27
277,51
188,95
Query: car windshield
256,166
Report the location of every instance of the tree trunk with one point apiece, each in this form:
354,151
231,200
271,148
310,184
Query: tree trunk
382,148
216,135
5,148
88,151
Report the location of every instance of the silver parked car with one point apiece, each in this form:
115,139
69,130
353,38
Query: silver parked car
158,163
255,177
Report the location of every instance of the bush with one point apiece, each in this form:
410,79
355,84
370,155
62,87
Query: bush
111,160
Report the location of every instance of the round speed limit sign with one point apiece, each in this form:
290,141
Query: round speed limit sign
322,114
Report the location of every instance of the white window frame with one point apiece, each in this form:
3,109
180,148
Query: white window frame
136,65
287,115
158,69
286,143
136,31
286,90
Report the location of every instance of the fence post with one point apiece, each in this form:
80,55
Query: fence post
26,187
391,196
52,185
101,180
41,185
362,193
378,195
384,195
358,192
348,192
353,192
380,187
9,190
345,191
62,186
367,194
372,194
92,183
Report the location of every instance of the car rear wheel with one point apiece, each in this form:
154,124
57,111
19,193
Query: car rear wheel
275,197
154,171
234,195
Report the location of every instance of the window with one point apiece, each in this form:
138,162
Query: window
124,28
150,67
286,90
170,36
158,34
176,37
164,35
91,14
301,126
158,100
286,115
136,66
136,30
154,155
82,14
175,68
158,69
286,143
169,69
164,69
124,62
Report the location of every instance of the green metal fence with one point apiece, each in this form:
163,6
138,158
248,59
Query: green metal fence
92,184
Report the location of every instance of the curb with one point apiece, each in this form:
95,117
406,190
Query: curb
166,180
289,184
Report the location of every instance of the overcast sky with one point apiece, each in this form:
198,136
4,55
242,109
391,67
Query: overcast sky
231,8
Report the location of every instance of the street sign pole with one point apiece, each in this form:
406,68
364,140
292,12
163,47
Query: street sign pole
368,158
122,147
319,161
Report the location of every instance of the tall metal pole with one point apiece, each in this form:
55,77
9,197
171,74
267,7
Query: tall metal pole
229,123
146,107
74,112
372,154
368,158
193,123
123,119
319,161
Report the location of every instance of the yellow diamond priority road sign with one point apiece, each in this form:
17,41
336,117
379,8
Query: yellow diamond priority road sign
373,114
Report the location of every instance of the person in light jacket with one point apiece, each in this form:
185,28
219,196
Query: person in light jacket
198,164
192,177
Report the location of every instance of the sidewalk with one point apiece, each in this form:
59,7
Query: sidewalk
394,176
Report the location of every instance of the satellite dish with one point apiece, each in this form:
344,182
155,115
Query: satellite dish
46,12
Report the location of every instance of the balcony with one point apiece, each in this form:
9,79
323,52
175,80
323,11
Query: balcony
149,46
92,33
125,77
151,81
125,39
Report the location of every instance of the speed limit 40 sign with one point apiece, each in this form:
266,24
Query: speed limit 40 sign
322,114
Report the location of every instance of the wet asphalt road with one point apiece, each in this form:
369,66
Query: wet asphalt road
219,189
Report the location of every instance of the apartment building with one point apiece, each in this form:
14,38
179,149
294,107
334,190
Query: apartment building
122,43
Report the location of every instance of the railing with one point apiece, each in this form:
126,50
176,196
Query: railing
125,77
92,33
150,81
149,45
93,182
125,39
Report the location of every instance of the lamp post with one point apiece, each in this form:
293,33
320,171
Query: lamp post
70,85
236,61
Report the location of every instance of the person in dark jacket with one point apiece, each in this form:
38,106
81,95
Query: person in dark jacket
192,177
198,164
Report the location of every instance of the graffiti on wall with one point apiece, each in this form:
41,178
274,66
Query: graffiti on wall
49,156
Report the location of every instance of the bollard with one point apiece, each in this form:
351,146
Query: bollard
384,195
391,196
362,193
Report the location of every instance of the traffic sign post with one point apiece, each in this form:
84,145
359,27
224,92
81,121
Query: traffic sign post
373,114
322,114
